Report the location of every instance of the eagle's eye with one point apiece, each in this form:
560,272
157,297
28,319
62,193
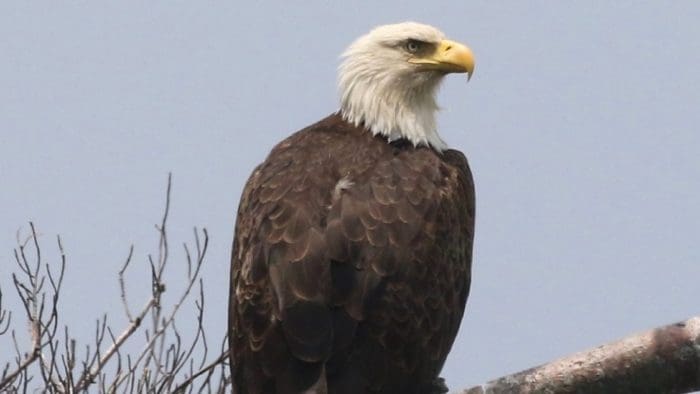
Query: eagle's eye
413,46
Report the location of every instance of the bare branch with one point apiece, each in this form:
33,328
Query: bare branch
159,326
662,360
32,298
199,334
222,359
90,375
122,288
5,318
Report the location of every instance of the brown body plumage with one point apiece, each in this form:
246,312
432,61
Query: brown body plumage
351,264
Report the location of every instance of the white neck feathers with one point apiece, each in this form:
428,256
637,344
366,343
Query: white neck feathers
382,92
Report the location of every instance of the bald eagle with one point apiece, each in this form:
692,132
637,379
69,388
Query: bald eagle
352,254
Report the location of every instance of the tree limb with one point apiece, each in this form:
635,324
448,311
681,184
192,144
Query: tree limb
662,360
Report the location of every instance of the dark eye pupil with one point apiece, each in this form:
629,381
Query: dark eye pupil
412,46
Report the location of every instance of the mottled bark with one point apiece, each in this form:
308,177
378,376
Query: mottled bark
662,360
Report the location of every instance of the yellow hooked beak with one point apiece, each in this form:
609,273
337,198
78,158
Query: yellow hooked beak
449,57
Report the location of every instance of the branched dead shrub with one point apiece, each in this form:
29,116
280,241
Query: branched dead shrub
55,361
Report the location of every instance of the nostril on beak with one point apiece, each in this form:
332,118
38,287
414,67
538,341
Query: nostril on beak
448,48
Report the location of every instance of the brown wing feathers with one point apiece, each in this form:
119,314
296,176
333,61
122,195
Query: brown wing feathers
343,258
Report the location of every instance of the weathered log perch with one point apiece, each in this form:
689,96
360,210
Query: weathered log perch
662,360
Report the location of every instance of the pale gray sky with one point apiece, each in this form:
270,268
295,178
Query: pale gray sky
580,125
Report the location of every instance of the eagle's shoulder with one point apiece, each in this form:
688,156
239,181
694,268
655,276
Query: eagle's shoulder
464,181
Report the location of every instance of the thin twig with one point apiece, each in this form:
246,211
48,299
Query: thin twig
122,288
221,359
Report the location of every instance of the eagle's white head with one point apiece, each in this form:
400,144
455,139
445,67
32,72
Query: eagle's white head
388,79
